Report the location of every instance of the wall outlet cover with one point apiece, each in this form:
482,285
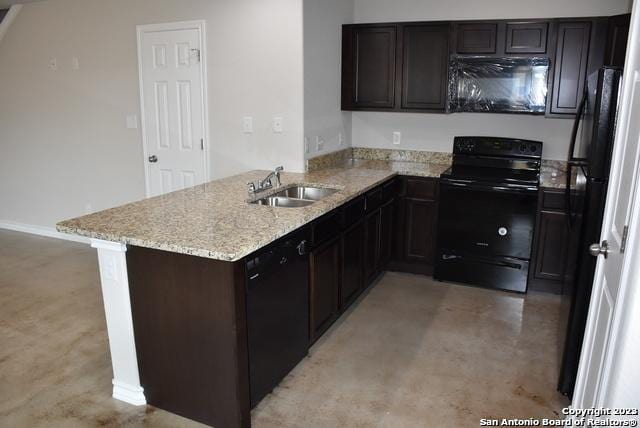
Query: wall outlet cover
247,124
397,138
319,143
277,124
306,145
132,121
340,139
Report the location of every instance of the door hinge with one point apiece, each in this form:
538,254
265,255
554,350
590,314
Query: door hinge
201,143
625,235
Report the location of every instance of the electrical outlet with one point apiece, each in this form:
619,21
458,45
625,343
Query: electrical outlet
53,64
247,125
75,63
132,121
340,139
277,125
397,138
88,209
319,144
306,145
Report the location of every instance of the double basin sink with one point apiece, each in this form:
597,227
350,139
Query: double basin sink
296,197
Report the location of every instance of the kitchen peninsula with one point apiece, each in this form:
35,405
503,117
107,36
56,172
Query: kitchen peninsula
174,272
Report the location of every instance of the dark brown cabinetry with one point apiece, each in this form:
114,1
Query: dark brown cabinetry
526,37
371,246
570,69
352,263
395,67
618,33
476,37
369,67
420,216
387,231
550,246
425,53
324,286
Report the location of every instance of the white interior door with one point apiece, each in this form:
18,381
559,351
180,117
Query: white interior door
173,106
610,282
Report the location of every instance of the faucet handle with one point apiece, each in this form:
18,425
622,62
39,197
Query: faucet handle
251,187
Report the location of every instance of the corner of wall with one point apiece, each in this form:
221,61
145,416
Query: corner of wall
8,19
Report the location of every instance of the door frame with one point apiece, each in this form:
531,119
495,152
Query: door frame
199,25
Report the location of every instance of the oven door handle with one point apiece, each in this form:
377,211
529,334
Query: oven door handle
475,186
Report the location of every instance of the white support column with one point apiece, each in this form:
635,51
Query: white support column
117,306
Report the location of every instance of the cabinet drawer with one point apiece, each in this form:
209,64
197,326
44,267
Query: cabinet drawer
373,199
553,200
422,188
391,189
327,227
353,212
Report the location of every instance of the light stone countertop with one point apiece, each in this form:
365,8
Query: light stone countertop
215,220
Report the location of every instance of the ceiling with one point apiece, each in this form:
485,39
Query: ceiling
6,3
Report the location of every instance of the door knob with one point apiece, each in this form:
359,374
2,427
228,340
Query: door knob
599,249
153,159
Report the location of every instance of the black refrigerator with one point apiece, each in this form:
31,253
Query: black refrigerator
589,162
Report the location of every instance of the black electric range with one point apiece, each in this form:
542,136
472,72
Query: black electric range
488,202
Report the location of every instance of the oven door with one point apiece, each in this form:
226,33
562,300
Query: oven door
486,221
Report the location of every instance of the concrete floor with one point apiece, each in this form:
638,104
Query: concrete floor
411,353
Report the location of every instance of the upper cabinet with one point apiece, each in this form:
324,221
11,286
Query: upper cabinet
404,67
395,67
570,69
526,37
369,67
425,55
476,38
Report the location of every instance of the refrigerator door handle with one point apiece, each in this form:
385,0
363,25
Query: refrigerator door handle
572,160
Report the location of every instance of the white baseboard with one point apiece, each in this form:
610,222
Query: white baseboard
49,232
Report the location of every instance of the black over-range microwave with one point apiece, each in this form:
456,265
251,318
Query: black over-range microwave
501,85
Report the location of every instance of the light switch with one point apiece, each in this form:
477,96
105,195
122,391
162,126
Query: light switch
53,64
247,124
319,143
340,139
397,138
306,145
75,63
132,121
277,124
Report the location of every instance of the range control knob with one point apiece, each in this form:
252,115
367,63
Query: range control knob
503,231
523,147
533,148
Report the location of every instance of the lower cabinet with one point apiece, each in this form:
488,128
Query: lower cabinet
371,246
551,243
420,221
387,232
352,263
324,286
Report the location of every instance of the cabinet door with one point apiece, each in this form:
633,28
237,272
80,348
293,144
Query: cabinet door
420,220
386,233
352,263
476,38
371,246
369,78
551,248
526,37
425,55
618,34
572,51
325,282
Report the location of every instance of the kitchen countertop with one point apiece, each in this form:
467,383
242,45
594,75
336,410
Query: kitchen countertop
215,220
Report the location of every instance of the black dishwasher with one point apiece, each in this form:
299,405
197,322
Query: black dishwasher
277,312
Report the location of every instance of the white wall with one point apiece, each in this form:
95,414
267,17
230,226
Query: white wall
322,61
435,132
63,141
427,10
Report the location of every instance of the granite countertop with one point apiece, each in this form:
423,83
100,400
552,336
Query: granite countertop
215,220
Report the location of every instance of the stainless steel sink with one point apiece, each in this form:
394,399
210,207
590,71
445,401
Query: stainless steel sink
305,192
295,197
279,201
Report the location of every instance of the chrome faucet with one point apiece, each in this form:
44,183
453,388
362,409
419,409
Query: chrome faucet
266,183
